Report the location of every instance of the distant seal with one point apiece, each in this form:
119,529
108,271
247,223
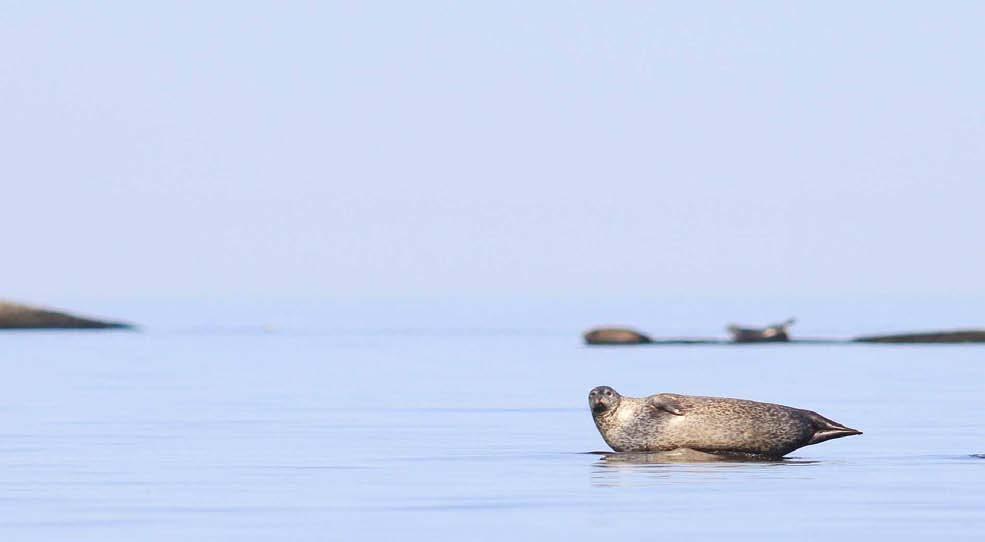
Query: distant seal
775,333
669,421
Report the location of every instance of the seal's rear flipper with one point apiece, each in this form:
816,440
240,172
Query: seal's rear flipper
826,429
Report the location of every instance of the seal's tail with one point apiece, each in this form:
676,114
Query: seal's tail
825,429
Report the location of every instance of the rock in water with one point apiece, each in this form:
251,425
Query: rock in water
615,335
17,316
669,421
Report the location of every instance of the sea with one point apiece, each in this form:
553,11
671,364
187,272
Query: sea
467,419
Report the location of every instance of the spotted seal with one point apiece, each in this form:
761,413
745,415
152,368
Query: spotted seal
669,421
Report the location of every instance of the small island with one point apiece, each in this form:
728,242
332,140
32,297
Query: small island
18,316
928,337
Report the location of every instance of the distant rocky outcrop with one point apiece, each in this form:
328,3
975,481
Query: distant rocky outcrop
615,335
929,337
18,316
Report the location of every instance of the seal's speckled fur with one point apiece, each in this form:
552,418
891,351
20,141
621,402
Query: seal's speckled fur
709,424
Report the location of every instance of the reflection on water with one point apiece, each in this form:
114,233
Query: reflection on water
683,455
642,469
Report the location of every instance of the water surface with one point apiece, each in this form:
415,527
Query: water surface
261,433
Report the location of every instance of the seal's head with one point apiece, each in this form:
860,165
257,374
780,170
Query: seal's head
603,399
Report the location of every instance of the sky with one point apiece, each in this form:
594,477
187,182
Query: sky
243,149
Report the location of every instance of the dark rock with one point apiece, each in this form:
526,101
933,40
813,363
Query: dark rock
615,335
17,316
930,337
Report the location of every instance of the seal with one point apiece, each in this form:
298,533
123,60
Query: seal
775,333
668,421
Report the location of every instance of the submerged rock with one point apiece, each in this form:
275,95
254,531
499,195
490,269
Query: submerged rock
17,316
615,335
941,337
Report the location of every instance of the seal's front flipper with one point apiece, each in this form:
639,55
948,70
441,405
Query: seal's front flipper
666,403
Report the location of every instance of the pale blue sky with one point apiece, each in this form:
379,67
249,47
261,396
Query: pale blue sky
521,148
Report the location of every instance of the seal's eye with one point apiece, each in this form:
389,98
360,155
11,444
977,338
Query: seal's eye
608,394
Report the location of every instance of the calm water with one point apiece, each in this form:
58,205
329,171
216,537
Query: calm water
308,433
